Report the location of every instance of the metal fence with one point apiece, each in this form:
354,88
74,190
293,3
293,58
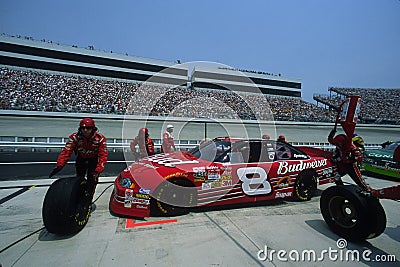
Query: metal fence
55,144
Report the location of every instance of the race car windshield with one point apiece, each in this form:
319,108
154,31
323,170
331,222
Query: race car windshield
212,150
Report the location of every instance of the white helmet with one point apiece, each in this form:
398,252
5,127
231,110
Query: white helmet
169,126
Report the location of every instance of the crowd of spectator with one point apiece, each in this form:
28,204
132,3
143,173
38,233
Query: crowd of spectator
377,105
23,89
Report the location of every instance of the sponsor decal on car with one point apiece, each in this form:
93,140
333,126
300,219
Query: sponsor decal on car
176,174
144,191
143,196
199,179
128,198
226,182
283,194
379,155
327,172
213,175
136,200
205,186
297,156
283,182
199,174
286,167
215,184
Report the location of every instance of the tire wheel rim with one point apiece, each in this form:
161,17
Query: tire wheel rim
343,212
305,188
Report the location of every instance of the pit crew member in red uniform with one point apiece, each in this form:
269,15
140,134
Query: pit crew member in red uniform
346,157
145,143
282,139
168,144
91,153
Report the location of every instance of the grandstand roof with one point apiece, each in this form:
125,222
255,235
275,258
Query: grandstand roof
25,52
250,81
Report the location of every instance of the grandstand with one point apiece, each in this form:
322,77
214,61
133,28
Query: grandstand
42,76
379,105
23,89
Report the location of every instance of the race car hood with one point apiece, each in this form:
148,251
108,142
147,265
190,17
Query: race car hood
153,170
169,160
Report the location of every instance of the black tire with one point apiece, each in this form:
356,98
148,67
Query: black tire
170,199
377,217
346,212
305,186
66,208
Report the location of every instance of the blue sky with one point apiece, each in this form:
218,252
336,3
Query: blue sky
348,43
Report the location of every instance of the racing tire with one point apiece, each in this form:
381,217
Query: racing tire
346,212
305,186
377,217
66,206
173,197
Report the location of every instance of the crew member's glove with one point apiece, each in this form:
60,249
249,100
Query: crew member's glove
55,171
95,176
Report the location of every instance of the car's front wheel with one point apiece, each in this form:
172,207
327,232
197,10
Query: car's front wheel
173,197
305,186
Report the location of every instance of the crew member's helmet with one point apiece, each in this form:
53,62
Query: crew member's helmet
170,127
143,132
266,136
87,122
282,138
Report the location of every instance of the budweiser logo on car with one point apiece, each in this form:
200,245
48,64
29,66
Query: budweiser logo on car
286,167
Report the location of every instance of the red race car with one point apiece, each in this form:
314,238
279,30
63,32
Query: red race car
223,171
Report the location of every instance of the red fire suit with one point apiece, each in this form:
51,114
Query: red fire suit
346,157
146,146
91,156
167,143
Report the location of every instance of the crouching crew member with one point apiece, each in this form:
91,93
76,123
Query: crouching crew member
91,153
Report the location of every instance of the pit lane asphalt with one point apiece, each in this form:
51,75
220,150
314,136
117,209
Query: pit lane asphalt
220,237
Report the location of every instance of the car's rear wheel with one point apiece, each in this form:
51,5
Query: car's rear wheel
350,214
173,197
305,186
66,206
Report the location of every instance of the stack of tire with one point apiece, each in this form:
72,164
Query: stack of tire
352,213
